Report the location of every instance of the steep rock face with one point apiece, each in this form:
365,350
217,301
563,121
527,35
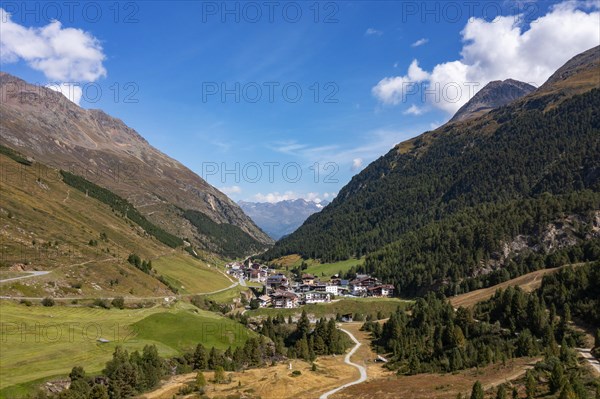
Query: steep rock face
281,218
46,126
495,94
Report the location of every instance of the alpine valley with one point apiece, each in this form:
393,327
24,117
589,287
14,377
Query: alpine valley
463,263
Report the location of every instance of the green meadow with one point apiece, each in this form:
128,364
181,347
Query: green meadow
190,275
39,342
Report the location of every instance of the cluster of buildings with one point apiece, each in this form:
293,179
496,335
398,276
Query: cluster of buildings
281,293
248,270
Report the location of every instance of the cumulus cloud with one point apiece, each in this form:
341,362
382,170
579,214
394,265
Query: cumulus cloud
373,32
357,163
393,90
231,190
420,42
61,54
500,49
414,110
291,195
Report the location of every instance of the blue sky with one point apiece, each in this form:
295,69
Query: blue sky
362,69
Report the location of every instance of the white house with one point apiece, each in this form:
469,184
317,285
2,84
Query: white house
332,289
316,297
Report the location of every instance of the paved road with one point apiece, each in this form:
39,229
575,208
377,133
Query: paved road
587,355
31,274
362,369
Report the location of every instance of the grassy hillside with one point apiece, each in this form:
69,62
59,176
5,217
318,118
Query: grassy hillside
189,275
39,342
48,225
364,306
325,270
322,270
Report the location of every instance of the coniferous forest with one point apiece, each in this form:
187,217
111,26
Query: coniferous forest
438,208
435,337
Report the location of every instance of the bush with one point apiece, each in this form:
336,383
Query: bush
48,302
102,303
296,373
254,304
25,302
118,302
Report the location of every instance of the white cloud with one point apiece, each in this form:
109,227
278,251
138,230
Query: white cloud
414,110
393,90
420,42
357,163
70,90
291,195
502,49
61,54
373,32
231,190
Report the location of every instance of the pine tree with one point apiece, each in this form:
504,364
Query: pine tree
152,366
530,385
80,388
123,375
98,391
214,359
501,394
77,373
303,325
200,380
567,392
557,378
219,375
302,349
477,392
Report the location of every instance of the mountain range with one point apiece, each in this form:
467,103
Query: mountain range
281,218
510,184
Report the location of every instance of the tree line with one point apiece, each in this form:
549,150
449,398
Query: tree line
435,337
120,206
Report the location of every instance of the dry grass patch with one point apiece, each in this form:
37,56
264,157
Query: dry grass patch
274,382
436,386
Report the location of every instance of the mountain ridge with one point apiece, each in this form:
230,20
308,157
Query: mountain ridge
46,126
493,95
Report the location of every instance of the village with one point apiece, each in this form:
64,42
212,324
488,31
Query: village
280,292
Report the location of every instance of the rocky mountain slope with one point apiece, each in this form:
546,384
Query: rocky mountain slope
281,218
46,126
495,94
437,210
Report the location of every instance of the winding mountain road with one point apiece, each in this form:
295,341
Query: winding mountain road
361,369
